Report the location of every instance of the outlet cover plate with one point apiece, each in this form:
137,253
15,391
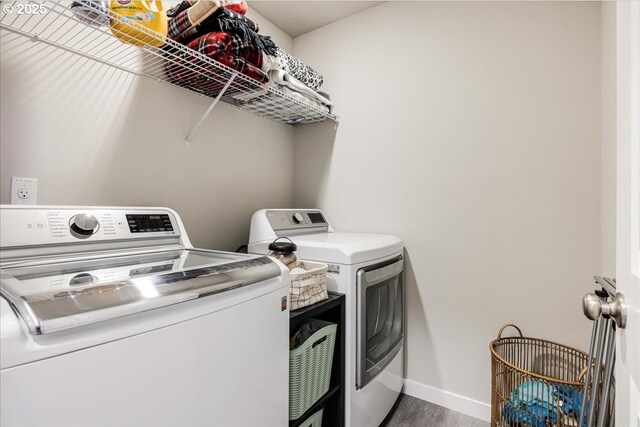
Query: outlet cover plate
24,191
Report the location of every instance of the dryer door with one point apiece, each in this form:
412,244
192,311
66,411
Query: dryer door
380,307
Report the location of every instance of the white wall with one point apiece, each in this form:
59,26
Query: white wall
472,131
93,135
608,137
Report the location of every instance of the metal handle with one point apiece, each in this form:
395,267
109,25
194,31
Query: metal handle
593,307
505,326
383,272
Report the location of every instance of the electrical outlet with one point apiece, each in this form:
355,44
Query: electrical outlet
24,191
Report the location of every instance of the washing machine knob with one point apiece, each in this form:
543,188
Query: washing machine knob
84,224
298,218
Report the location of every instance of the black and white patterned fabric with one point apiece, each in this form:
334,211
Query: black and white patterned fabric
295,67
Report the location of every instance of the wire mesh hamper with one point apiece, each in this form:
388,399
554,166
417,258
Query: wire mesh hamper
310,369
535,382
309,287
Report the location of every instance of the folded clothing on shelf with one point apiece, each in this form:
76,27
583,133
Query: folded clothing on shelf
219,30
286,81
239,6
283,60
189,17
267,101
187,70
207,17
216,30
172,12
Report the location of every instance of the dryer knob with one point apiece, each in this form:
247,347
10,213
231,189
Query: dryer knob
298,218
84,224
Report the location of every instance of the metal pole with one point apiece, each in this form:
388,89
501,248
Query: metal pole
606,384
587,376
596,371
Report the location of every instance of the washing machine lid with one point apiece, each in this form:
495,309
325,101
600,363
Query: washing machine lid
346,248
53,295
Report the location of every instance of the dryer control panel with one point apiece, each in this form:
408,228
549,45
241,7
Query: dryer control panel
296,219
268,224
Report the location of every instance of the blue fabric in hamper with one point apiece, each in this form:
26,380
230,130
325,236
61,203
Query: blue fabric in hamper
537,403
532,402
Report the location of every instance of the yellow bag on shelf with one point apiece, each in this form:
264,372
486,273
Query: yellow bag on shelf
150,14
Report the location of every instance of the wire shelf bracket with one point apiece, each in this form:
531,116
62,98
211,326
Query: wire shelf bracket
187,142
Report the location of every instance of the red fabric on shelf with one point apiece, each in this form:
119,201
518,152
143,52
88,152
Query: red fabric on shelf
237,6
188,71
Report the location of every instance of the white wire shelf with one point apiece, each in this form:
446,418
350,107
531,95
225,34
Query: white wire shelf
54,23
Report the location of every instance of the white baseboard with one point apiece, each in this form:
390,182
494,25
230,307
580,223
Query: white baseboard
455,402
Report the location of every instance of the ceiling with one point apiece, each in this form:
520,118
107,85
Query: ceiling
299,17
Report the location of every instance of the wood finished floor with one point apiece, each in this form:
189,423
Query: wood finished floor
412,412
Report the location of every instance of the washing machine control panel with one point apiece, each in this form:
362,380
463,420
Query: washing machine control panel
280,220
68,225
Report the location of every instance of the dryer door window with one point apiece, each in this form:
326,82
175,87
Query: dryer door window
380,318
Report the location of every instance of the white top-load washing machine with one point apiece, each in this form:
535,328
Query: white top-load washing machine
110,317
368,269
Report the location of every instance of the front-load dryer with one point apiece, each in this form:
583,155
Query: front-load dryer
368,269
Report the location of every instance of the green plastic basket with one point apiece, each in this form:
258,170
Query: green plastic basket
314,420
310,369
